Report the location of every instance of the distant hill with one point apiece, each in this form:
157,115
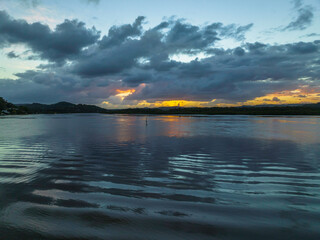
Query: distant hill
308,109
7,108
62,107
316,105
66,107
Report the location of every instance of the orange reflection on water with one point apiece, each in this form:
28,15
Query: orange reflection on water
174,126
125,128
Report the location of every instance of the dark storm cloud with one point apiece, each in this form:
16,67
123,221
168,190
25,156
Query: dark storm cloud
184,37
303,19
259,69
239,51
65,42
131,55
304,48
50,87
118,34
126,44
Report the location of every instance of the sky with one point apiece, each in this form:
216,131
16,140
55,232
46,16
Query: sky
127,54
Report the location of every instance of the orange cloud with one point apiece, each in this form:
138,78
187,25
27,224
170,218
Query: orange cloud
303,95
124,93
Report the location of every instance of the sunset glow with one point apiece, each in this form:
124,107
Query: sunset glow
303,95
124,93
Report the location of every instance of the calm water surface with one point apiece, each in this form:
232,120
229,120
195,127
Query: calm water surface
91,176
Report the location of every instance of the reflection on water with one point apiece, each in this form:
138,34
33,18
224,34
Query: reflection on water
90,176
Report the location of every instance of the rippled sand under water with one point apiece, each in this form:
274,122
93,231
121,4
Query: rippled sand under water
91,176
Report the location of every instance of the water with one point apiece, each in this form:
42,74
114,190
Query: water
91,176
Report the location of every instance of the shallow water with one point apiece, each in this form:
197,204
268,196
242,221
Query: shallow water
91,176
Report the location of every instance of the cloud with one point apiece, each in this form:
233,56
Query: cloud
86,68
93,1
65,42
304,48
311,35
12,55
276,99
36,3
118,34
126,44
30,3
303,19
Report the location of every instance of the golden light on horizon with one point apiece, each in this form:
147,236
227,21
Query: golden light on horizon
297,96
173,103
303,95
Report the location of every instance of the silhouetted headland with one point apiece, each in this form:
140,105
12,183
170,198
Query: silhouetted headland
7,108
62,107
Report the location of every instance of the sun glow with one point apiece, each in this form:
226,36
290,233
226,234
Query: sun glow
173,103
301,95
124,93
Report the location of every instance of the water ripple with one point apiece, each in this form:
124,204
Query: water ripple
112,177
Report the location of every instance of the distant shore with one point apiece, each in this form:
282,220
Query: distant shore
7,108
294,110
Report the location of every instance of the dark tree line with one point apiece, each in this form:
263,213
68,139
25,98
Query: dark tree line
65,107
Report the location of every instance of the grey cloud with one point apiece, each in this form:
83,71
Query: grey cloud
124,45
236,32
186,37
65,42
136,77
36,3
297,4
304,48
229,77
12,55
276,99
50,87
311,35
226,77
118,34
304,17
239,51
93,1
